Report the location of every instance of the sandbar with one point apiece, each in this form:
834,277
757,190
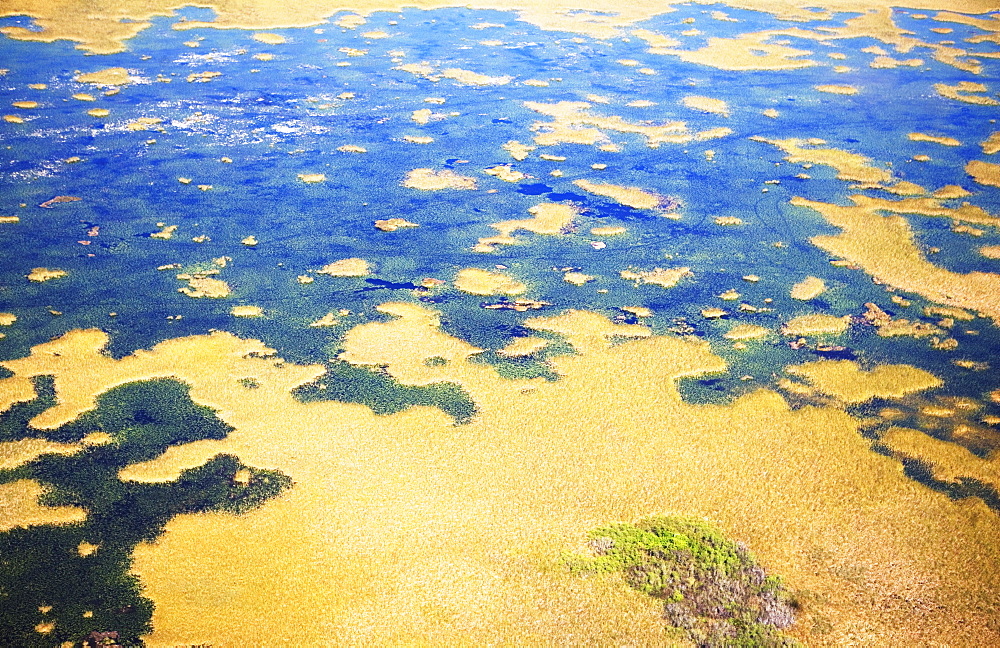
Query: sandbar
477,281
432,180
846,381
353,267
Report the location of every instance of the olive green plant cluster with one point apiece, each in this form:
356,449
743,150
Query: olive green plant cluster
713,591
72,583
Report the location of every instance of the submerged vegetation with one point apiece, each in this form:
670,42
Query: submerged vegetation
68,583
714,593
348,383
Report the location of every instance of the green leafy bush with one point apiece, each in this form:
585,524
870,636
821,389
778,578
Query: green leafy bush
713,591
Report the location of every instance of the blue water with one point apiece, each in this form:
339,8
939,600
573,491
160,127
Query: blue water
276,119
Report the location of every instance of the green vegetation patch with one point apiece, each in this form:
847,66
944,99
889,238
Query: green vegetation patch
378,390
69,583
713,591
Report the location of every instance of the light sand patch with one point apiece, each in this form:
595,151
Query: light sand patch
559,133
437,180
946,311
809,288
143,124
269,38
633,197
887,326
849,166
573,116
706,105
656,40
330,319
246,311
418,139
746,332
950,192
203,77
586,331
350,21
936,139
477,281
422,116
166,232
985,173
608,230
517,150
967,91
45,274
19,507
353,267
845,380
201,286
547,219
990,251
523,346
17,453
837,89
967,213
638,311
578,278
664,277
816,324
393,224
991,144
113,76
888,63
505,173
422,70
753,51
728,221
467,77
352,148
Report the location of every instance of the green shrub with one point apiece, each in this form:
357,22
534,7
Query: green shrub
713,591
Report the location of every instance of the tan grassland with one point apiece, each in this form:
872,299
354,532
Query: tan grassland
846,381
19,507
477,281
808,288
886,248
410,530
548,219
948,461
